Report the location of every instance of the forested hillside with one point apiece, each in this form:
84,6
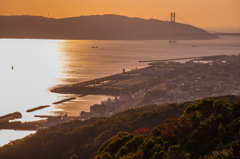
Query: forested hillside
76,139
96,27
208,129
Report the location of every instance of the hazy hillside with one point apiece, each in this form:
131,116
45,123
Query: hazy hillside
96,27
81,139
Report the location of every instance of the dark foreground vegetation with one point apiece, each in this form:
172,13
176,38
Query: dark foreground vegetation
204,127
208,129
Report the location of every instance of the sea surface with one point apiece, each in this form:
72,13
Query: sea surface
39,65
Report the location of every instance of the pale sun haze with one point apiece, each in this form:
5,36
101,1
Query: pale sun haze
198,12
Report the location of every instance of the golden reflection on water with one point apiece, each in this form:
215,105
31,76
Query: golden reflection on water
74,57
41,64
38,66
77,60
35,70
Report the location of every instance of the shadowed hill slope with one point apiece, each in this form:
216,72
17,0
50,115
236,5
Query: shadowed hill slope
96,27
84,138
207,130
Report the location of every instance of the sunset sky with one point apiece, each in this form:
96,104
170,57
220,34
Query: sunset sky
198,12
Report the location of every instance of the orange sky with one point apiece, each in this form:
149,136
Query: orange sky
199,12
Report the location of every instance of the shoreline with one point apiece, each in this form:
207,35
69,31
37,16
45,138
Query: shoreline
131,81
81,88
99,88
37,108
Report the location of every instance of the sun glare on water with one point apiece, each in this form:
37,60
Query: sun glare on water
27,67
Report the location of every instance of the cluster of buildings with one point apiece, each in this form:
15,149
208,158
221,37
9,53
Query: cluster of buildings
200,79
192,80
106,106
96,110
216,78
52,120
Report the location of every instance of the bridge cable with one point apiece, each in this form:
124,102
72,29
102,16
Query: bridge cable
155,25
189,23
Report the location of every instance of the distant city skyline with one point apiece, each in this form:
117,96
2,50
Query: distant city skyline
201,13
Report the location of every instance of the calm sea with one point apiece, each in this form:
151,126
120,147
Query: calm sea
39,65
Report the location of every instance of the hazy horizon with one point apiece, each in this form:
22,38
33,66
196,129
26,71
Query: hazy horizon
211,29
220,13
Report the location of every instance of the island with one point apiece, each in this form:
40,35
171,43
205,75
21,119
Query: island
97,27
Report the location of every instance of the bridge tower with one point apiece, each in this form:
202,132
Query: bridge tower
172,28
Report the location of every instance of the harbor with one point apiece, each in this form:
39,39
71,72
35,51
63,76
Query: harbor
25,87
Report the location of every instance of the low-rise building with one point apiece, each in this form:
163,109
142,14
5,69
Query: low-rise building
86,115
98,108
125,97
162,72
53,120
233,76
112,104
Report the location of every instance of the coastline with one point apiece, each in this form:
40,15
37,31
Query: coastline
99,86
81,88
132,82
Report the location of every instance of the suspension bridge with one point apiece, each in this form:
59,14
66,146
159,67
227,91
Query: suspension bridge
173,16
172,21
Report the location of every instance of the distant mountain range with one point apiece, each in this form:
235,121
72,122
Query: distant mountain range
96,27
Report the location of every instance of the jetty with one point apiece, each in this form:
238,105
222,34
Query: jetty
200,58
64,100
37,108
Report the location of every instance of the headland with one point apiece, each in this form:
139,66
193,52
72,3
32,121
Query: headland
97,27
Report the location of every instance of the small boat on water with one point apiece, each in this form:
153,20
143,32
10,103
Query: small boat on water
172,41
94,47
194,46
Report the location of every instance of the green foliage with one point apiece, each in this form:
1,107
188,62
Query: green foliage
236,147
149,145
113,147
134,155
132,145
220,106
105,155
173,148
236,110
207,126
112,140
191,108
74,156
159,155
122,151
157,131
